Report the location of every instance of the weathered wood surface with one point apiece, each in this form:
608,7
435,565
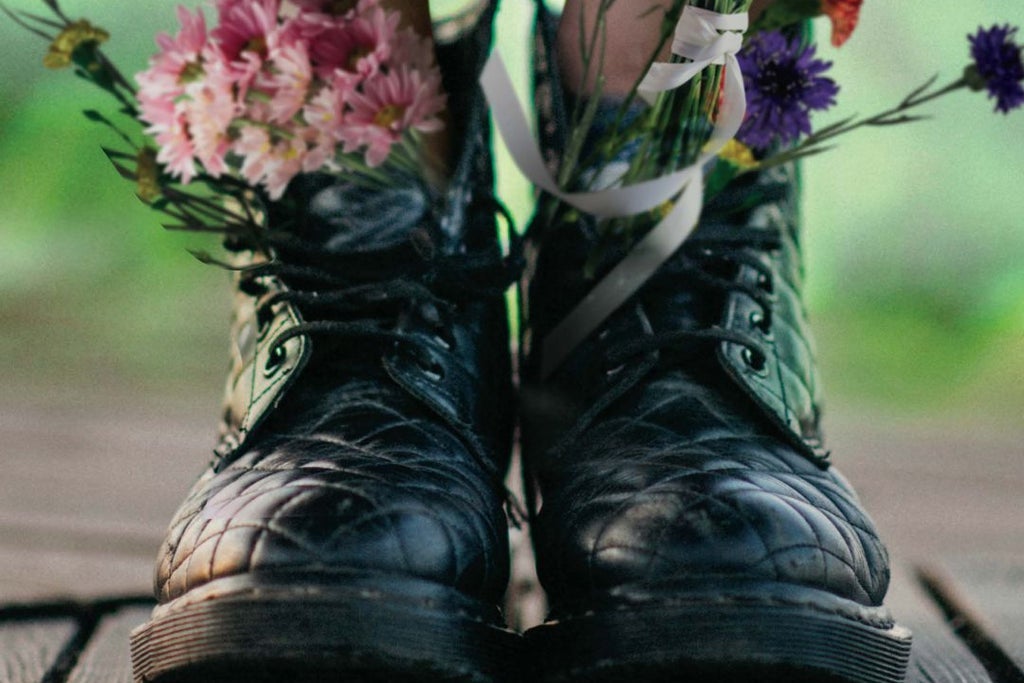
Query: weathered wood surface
938,655
105,659
29,648
984,600
86,494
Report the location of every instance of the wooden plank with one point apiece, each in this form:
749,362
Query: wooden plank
30,648
30,574
86,496
938,655
986,597
933,485
105,659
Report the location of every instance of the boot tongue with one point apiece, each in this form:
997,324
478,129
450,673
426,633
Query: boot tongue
350,217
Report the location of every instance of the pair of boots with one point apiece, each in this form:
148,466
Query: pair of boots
352,526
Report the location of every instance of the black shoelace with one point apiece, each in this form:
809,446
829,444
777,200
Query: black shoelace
358,297
708,262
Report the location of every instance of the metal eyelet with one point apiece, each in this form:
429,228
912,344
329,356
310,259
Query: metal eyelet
433,371
610,374
765,283
756,361
275,361
428,366
264,317
762,323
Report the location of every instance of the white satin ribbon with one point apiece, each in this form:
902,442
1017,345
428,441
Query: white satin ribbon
705,38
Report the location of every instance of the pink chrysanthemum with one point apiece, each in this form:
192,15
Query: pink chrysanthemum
413,50
179,62
325,112
389,105
250,29
286,79
211,109
282,87
180,57
177,153
355,48
270,162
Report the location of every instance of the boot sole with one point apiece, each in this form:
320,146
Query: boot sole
733,638
248,629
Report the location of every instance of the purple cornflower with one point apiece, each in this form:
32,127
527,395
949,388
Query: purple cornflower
784,85
998,62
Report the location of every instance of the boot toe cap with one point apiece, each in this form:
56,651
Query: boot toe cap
280,511
720,509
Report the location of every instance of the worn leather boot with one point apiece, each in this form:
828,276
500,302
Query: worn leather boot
686,520
352,525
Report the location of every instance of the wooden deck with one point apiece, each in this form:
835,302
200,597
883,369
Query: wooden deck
86,490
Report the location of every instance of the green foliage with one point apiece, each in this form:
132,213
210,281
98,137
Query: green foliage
913,234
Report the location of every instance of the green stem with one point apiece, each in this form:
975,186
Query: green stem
893,116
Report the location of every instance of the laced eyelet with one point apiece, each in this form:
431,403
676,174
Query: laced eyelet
761,322
275,361
610,374
765,283
756,361
264,316
432,370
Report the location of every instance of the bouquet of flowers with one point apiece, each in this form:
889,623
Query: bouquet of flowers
785,83
695,127
275,89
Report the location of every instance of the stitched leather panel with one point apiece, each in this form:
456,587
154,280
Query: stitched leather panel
678,482
352,476
256,383
789,390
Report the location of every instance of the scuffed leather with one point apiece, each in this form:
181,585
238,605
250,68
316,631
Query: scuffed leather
687,466
380,460
351,475
679,481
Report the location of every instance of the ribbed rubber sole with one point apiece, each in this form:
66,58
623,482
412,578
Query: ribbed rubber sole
729,640
230,632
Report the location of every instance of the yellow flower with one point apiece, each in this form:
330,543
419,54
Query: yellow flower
738,154
70,39
147,175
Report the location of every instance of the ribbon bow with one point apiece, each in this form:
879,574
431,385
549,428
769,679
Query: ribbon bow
703,37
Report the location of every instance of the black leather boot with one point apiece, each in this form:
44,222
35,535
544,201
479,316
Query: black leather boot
689,522
352,525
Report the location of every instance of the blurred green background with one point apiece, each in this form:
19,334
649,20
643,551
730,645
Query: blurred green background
915,241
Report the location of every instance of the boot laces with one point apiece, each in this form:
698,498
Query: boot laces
360,297
708,263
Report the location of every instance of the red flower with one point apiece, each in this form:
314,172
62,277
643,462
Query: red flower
844,15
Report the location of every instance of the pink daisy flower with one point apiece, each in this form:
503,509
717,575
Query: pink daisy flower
177,153
321,150
179,62
389,105
286,79
211,108
249,29
325,112
413,50
357,48
269,162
